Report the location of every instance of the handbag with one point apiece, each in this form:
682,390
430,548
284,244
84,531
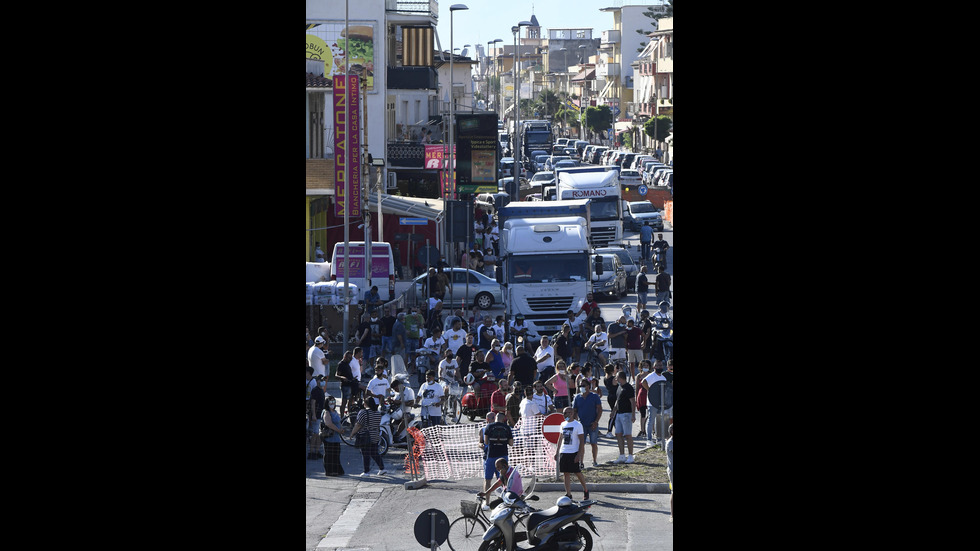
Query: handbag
362,439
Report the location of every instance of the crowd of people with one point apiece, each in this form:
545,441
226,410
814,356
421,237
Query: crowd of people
627,361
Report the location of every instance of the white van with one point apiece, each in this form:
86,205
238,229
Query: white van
382,267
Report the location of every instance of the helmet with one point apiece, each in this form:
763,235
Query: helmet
564,501
469,379
664,304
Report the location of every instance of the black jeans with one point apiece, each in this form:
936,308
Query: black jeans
370,452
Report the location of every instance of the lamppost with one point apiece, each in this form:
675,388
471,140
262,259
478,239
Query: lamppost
585,83
494,41
452,101
519,161
564,110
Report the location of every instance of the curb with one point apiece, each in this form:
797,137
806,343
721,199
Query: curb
632,488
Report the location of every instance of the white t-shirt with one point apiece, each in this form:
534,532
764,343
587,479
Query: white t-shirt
529,408
542,401
599,338
379,386
499,330
448,369
315,359
651,380
406,395
570,431
542,352
434,345
355,369
431,394
454,339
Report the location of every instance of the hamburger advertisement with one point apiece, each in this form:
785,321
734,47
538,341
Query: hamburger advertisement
335,45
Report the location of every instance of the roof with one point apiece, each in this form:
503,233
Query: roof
588,74
318,81
534,21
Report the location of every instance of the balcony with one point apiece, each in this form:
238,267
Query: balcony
611,37
412,78
607,70
429,8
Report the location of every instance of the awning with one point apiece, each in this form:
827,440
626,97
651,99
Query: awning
432,209
620,126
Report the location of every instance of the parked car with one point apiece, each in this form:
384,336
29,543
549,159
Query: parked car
629,178
669,181
571,152
539,161
490,202
657,172
596,157
647,172
626,258
638,213
507,167
483,291
661,180
550,163
562,141
542,178
567,163
639,160
612,282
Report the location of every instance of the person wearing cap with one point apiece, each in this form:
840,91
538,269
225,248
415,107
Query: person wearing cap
316,358
431,397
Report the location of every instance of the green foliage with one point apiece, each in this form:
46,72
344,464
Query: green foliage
663,127
598,119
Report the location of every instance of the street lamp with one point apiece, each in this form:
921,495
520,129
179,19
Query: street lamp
519,161
564,115
494,41
585,82
452,101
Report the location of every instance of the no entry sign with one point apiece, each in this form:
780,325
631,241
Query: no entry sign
551,427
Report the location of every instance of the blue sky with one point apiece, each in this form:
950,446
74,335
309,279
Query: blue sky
486,20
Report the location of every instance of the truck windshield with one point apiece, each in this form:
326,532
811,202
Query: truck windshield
606,208
547,268
645,206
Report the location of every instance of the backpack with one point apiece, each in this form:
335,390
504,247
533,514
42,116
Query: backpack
641,283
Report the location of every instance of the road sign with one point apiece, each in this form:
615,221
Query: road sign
615,110
551,427
413,221
642,190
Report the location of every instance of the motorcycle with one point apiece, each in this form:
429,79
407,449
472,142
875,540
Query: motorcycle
389,419
659,259
663,345
476,402
425,360
554,529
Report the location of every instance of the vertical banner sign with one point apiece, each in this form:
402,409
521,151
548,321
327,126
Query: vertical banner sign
346,165
437,157
477,150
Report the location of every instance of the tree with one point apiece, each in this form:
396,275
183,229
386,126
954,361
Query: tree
598,119
662,123
667,11
547,103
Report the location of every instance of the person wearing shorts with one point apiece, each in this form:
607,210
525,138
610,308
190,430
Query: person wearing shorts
571,451
625,417
588,409
498,438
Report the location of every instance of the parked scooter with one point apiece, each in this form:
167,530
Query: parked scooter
389,420
476,402
554,529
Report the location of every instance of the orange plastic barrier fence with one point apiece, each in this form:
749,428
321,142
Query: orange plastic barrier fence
669,212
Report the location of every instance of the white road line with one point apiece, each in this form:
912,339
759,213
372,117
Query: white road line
345,527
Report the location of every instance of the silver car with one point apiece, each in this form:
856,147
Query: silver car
627,260
612,282
483,291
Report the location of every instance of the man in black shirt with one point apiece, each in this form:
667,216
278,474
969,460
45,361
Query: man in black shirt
498,437
464,356
523,368
625,417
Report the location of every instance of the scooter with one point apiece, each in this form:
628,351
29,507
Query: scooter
389,419
424,361
659,259
554,529
663,347
476,402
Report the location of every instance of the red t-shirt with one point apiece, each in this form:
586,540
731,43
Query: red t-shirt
588,306
498,398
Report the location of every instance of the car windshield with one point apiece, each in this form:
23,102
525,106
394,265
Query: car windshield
642,206
547,268
541,158
542,176
624,257
629,174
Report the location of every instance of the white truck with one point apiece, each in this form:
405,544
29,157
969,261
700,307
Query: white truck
600,184
544,269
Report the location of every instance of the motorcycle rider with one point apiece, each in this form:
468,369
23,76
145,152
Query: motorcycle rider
403,400
507,476
598,342
498,437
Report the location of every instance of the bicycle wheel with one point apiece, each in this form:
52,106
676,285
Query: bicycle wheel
382,446
452,410
466,534
347,423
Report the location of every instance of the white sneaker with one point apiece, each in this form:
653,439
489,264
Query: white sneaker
621,459
362,475
629,459
384,472
486,507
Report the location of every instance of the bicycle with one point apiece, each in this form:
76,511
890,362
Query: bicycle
452,408
466,532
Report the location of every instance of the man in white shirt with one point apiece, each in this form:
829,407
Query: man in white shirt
544,402
355,364
598,342
431,397
544,356
315,357
403,400
570,453
379,385
651,382
456,336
